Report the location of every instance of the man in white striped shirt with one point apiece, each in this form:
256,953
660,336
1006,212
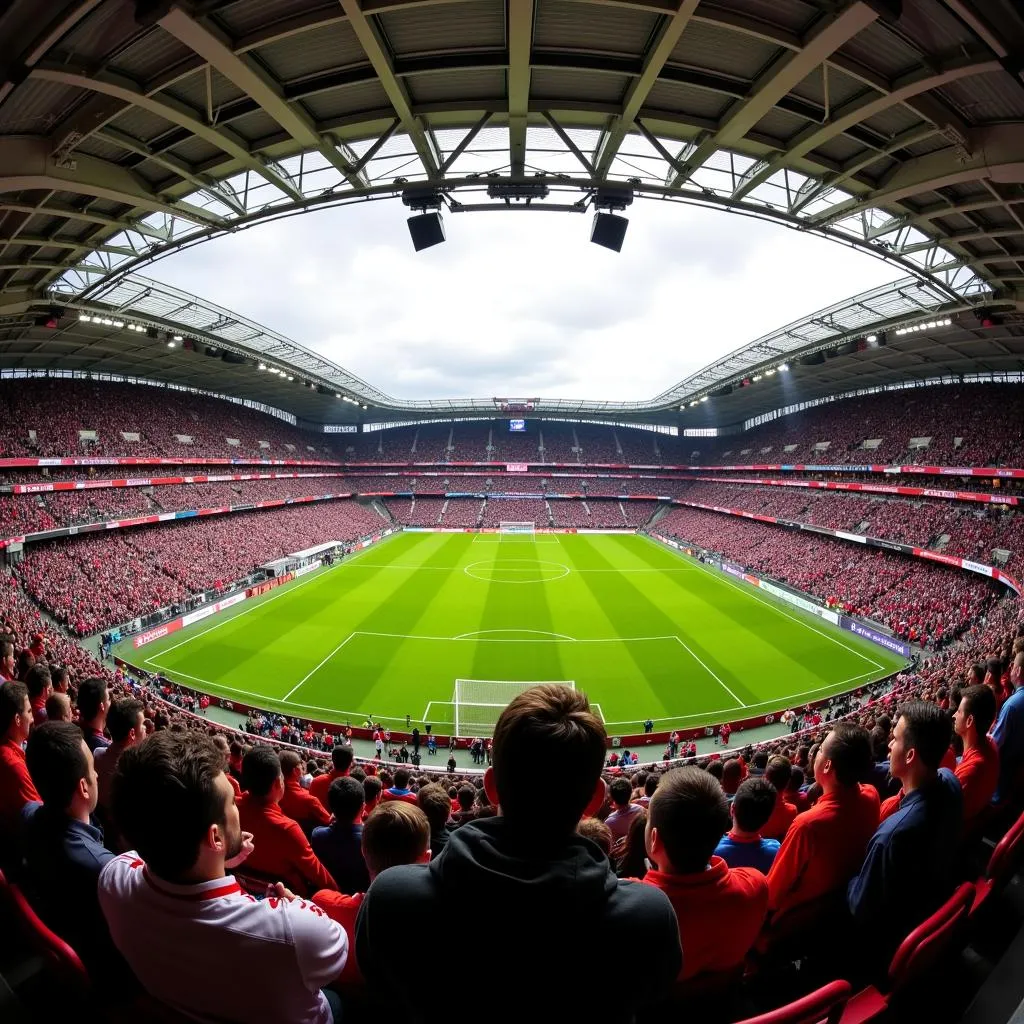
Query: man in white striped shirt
194,939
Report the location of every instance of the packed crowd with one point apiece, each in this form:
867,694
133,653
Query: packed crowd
91,583
969,531
968,425
860,827
928,604
61,417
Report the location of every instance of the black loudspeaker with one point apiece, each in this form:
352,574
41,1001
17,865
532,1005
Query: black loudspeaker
426,229
609,230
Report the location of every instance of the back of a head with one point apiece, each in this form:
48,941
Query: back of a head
651,785
91,694
371,789
850,753
753,804
553,726
597,832
290,762
466,797
981,703
778,771
12,702
261,768
759,762
620,790
166,797
342,758
715,769
732,773
57,761
927,730
37,679
434,803
396,832
691,814
122,717
58,707
401,778
346,798
879,743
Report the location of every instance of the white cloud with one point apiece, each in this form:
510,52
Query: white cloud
521,303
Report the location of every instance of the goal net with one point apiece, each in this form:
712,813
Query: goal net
478,703
524,531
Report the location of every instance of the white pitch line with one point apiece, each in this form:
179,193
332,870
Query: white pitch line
281,591
752,592
574,640
710,671
539,632
497,565
284,699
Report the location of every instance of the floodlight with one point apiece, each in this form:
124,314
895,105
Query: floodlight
872,338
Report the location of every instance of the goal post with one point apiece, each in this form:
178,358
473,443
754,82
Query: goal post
513,529
478,703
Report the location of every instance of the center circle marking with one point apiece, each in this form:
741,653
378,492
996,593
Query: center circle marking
518,570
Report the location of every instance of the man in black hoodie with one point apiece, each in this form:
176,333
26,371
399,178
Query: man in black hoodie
556,910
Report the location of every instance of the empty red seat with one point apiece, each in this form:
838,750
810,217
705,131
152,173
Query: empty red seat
825,1006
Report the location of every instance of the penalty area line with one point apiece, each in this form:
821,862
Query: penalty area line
309,675
710,672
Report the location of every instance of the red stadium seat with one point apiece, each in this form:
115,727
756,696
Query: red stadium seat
825,1006
60,959
941,935
1002,865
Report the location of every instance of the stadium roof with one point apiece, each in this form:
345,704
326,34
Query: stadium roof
130,130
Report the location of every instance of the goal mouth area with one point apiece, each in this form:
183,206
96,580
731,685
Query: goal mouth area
477,704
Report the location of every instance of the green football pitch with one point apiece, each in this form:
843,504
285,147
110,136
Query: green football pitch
446,628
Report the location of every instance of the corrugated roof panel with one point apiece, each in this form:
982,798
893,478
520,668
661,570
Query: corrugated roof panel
890,122
837,150
192,90
96,146
248,16
779,124
352,99
994,97
255,126
483,84
687,99
141,124
35,106
562,24
933,27
101,32
150,53
791,15
585,86
881,50
331,46
841,88
713,47
196,152
442,28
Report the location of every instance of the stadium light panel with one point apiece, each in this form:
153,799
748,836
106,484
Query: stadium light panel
872,338
784,368
171,344
262,366
703,398
84,316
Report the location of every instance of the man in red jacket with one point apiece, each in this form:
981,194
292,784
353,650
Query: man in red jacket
720,909
281,850
978,769
824,847
342,758
16,786
297,802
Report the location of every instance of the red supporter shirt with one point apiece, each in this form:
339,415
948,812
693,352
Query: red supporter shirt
824,847
782,817
319,786
301,805
978,772
720,912
392,794
16,786
344,910
280,848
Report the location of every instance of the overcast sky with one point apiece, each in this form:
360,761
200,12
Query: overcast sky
521,304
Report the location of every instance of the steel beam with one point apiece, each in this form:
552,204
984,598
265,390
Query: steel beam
658,53
214,48
122,88
830,33
377,53
520,45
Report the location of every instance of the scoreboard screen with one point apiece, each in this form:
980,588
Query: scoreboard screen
517,426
